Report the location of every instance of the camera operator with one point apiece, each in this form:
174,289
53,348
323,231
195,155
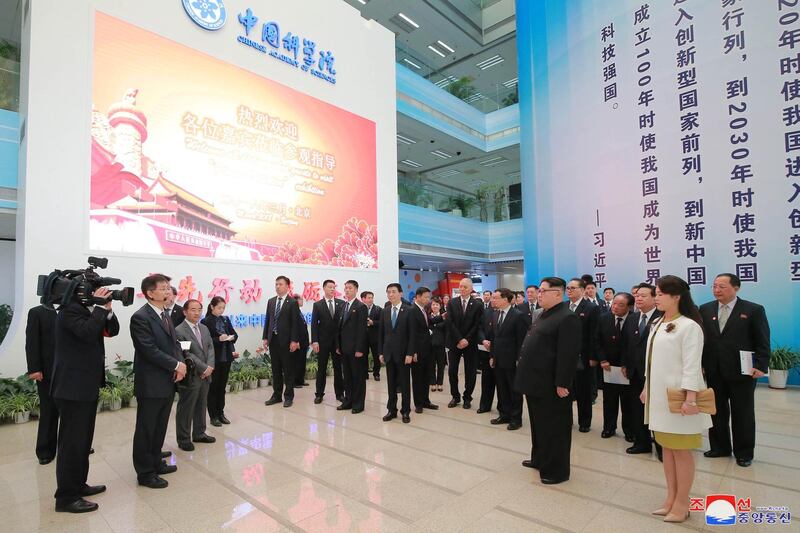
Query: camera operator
40,346
78,374
159,365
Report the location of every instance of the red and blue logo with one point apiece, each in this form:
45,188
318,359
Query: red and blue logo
720,509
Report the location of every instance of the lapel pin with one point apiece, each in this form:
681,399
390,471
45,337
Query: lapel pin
743,316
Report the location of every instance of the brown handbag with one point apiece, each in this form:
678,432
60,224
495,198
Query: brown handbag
705,400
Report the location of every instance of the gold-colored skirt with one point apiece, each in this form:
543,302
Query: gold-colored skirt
676,441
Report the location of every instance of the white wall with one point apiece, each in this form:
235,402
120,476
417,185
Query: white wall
56,96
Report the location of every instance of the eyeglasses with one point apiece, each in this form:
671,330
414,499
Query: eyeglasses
550,290
572,288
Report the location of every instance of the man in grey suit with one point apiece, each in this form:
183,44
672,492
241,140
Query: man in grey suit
190,417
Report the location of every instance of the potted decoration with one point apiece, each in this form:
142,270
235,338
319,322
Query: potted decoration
18,407
312,367
482,194
249,377
264,373
104,400
782,360
114,398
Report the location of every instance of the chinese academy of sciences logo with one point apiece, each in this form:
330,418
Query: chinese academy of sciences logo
208,14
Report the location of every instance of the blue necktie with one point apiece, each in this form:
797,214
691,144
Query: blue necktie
277,314
394,316
642,324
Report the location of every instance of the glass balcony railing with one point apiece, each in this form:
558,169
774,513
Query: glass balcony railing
488,204
9,76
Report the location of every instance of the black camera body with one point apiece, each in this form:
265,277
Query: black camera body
61,287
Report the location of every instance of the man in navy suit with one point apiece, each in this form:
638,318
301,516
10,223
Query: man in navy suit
282,336
78,374
373,332
585,375
352,346
422,350
396,353
325,317
732,325
158,364
464,315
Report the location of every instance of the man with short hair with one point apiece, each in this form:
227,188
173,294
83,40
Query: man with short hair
588,314
463,321
504,337
421,350
352,344
175,312
373,332
40,346
282,336
158,365
734,327
396,353
487,299
484,369
325,317
545,373
608,295
613,332
591,295
636,363
190,415
527,308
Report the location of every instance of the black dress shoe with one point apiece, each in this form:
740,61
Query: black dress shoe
154,483
344,407
549,481
715,453
318,400
431,406
638,449
467,404
527,463
166,469
744,462
224,419
584,429
608,433
339,397
186,446
418,410
273,401
513,426
216,422
389,416
358,410
288,403
78,506
91,451
453,403
205,439
406,419
481,410
165,454
91,490
499,420
659,454
629,438
45,460
377,378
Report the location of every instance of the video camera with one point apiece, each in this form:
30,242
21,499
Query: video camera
61,287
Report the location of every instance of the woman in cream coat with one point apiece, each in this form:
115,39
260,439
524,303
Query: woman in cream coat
674,358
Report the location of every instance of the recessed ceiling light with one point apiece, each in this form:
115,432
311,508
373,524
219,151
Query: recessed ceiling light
412,63
404,17
410,163
443,45
492,161
446,173
363,2
445,82
442,154
511,83
436,50
492,61
405,140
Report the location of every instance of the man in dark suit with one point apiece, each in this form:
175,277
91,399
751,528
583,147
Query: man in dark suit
591,295
635,364
395,352
421,349
158,365
352,346
373,332
504,336
545,373
282,336
464,315
39,351
78,374
174,311
527,308
613,333
305,342
325,317
585,375
488,384
732,325
190,415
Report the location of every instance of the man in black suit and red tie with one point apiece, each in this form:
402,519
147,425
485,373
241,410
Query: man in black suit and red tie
373,332
635,364
613,332
282,336
325,317
396,353
585,375
158,365
464,315
421,348
732,326
352,346
40,349
504,336
78,374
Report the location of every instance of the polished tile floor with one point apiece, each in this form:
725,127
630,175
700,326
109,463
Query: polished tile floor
312,468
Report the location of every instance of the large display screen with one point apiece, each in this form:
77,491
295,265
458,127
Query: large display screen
192,156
